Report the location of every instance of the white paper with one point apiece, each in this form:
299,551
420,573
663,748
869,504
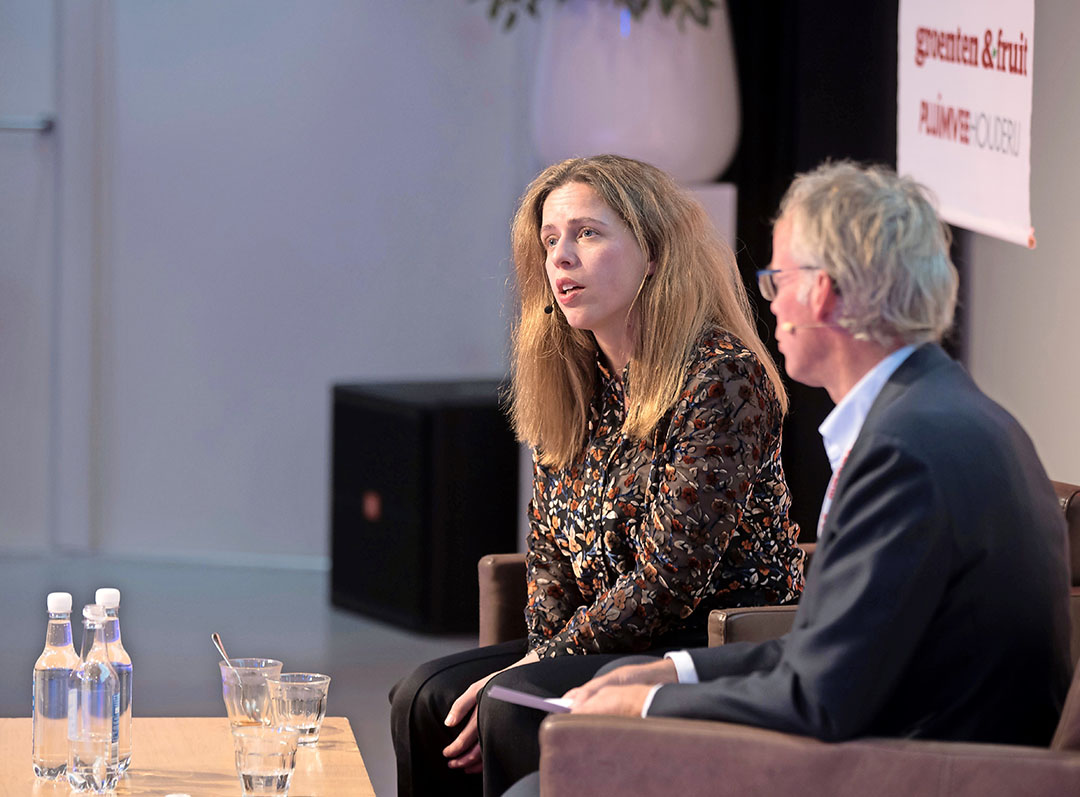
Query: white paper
553,705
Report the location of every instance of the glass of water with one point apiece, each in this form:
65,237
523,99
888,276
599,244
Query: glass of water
243,687
265,758
298,700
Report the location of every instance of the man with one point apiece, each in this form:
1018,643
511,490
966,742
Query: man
936,602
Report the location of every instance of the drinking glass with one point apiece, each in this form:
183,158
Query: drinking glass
265,758
247,700
298,700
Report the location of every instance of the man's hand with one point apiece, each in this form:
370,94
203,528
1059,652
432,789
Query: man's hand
626,701
662,671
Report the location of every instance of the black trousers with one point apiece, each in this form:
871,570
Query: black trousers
508,733
418,705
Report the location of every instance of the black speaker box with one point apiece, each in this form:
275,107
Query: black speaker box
424,482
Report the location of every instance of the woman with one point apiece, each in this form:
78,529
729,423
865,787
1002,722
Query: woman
654,414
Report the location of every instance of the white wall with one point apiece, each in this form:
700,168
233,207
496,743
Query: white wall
1024,346
303,193
27,279
285,195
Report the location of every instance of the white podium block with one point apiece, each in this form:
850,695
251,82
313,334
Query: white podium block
719,200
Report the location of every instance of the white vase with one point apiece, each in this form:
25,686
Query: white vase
650,89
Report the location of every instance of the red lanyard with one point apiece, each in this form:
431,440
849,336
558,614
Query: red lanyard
830,491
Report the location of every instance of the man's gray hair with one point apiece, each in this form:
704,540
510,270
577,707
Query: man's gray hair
879,238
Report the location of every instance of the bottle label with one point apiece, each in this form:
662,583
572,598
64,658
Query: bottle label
116,716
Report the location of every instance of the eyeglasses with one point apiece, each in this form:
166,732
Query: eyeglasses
766,279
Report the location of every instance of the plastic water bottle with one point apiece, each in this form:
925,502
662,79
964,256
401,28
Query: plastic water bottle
93,711
109,598
51,673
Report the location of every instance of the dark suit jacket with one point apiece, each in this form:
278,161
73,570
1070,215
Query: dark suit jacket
936,602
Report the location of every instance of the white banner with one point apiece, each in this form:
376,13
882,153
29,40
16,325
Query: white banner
964,110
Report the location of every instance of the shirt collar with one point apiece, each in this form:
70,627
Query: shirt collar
841,427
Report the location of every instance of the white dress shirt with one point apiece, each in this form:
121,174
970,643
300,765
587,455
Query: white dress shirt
838,431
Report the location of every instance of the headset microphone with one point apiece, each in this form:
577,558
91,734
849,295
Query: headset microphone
787,326
549,309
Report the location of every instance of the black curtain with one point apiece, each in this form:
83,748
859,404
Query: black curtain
818,80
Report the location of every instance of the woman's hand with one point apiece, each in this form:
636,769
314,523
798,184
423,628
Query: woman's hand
464,751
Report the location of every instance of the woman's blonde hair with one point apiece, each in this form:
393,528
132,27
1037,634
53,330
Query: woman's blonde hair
694,284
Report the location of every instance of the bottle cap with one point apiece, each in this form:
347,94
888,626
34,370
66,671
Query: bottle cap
59,602
94,612
109,597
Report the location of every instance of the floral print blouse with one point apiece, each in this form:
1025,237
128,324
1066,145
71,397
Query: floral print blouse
637,539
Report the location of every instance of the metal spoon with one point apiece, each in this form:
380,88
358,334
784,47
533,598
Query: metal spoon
251,707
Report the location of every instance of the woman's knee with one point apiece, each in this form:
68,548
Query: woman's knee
425,696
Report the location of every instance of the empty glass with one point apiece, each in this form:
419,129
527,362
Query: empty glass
265,758
247,700
298,700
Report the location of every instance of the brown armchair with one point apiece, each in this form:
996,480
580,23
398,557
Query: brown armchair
618,756
1069,496
600,756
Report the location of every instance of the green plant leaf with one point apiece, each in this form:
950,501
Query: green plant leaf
697,10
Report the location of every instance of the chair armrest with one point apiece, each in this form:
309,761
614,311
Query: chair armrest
615,756
1068,496
501,579
1067,735
749,624
1074,620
